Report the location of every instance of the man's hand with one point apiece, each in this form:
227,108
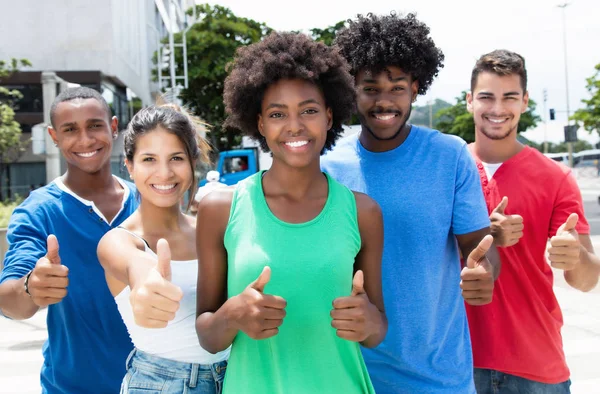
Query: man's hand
355,318
564,249
259,315
155,300
49,279
506,229
477,280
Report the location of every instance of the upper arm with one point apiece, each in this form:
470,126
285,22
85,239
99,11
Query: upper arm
211,223
568,200
26,235
118,250
470,212
370,224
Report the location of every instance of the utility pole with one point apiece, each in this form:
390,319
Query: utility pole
563,6
545,122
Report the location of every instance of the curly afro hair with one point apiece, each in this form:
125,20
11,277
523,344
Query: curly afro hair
374,42
286,56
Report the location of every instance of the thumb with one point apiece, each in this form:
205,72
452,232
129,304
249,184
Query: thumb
163,252
502,206
569,224
358,283
52,249
262,280
479,252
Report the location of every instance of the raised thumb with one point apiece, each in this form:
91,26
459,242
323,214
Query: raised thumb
52,249
358,283
570,223
163,252
502,206
262,280
479,252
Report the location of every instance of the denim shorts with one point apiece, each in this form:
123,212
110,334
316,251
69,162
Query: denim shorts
488,381
148,374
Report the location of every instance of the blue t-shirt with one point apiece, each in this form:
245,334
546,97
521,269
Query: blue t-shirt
429,191
87,340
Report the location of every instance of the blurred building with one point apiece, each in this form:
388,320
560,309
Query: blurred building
107,45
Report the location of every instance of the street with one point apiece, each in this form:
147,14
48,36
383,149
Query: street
21,341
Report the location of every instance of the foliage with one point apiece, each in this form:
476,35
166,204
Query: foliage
590,115
327,35
458,121
211,45
6,210
11,144
420,114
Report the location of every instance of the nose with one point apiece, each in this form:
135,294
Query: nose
383,100
295,124
87,138
164,170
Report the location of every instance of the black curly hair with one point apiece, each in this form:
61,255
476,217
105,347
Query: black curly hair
286,56
375,42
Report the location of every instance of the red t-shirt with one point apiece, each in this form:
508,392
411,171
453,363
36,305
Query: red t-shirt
519,331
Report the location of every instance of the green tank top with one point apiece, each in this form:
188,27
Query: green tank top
311,265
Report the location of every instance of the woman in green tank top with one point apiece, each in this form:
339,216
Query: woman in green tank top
290,260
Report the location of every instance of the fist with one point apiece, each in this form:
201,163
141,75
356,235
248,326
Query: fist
49,279
506,229
564,250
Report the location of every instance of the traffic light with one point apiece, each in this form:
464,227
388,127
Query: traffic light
552,114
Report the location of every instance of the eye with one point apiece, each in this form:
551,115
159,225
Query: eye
310,111
276,115
96,126
148,159
398,88
369,89
177,158
68,129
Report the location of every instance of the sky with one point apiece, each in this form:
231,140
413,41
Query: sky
466,29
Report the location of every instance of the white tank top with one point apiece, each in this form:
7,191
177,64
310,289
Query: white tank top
178,340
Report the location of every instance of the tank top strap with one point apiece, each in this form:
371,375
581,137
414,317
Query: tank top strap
146,246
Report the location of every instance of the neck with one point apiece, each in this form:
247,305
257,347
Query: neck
84,183
496,151
159,220
295,182
372,144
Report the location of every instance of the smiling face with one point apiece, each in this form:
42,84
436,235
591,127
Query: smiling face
384,102
84,134
161,169
497,102
294,120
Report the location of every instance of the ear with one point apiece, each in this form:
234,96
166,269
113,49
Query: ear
525,105
53,135
114,125
329,114
414,89
470,101
129,166
260,125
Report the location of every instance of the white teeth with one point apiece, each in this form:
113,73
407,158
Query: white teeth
164,187
385,117
496,120
87,154
296,144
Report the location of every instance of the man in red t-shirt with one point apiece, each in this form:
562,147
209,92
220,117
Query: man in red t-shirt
517,344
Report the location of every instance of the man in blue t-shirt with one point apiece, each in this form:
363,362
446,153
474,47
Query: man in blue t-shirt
433,210
87,342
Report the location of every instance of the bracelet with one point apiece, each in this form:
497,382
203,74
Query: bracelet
26,284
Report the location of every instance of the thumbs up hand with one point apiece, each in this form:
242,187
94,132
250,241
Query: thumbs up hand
154,299
506,229
257,314
477,279
354,317
48,281
564,249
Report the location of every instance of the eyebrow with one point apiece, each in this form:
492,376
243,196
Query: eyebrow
277,105
68,124
95,120
504,95
154,154
398,79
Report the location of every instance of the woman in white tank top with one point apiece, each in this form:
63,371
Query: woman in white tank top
150,261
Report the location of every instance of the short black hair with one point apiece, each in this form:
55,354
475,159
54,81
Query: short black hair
500,62
80,92
286,56
374,42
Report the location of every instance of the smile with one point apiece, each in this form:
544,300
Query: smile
164,187
296,144
87,154
385,116
496,120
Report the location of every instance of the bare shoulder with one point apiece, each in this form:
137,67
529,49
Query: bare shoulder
365,205
216,204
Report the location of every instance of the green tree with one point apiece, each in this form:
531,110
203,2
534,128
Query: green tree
11,144
327,35
590,115
420,114
211,45
458,121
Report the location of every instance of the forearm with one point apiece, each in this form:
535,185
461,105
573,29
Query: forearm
376,338
217,330
494,258
585,275
14,302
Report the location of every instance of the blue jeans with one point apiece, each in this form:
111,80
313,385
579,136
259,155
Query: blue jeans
488,381
150,374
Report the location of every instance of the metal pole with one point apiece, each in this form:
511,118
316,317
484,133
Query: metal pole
545,122
172,44
185,62
564,23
